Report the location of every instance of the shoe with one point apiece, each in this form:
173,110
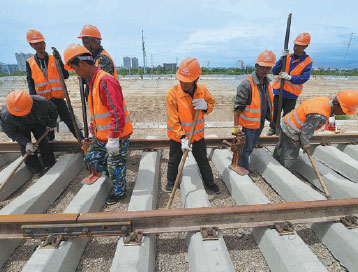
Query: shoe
92,178
169,188
113,199
270,132
214,187
38,175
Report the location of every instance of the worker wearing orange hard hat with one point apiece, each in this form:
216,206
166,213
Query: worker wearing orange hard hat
110,126
25,114
298,126
91,39
297,72
183,100
253,104
43,78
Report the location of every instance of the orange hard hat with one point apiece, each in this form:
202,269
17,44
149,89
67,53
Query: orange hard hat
348,99
303,39
19,103
189,70
266,58
90,31
74,50
34,36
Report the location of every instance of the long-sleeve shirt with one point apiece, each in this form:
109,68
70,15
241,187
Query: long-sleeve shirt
111,96
43,64
299,79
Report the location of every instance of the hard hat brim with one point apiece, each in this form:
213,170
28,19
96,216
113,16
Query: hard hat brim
265,64
185,79
346,110
299,43
80,37
37,41
68,67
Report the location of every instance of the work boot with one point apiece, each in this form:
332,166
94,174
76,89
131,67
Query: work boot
113,199
214,187
270,132
92,178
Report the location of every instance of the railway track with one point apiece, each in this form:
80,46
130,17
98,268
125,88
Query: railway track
320,246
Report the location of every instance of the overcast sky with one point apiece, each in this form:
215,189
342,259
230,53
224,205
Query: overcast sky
217,32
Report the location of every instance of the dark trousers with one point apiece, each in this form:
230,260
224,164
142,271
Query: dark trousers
65,116
286,151
287,106
200,155
32,161
252,136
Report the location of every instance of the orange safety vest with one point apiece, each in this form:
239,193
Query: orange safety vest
104,52
100,116
288,86
47,87
251,116
186,114
297,117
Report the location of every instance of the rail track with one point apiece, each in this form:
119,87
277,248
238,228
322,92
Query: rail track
320,242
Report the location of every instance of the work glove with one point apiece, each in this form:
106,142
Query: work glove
30,147
185,144
285,53
286,76
236,130
200,104
332,121
305,147
50,128
90,135
113,146
56,54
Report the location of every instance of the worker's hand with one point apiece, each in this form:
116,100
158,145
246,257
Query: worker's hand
286,76
332,121
30,147
185,144
284,53
50,128
305,147
56,54
200,104
113,146
90,135
236,130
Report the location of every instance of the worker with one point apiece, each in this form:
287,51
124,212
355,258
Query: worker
91,39
297,72
110,123
298,126
43,78
253,104
183,100
24,114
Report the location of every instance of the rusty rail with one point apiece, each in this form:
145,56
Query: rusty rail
174,220
143,144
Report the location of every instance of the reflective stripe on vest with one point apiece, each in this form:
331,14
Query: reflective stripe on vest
251,115
104,52
297,117
288,86
47,87
100,116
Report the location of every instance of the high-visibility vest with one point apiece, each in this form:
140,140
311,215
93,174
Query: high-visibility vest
104,52
186,115
288,86
100,116
297,117
251,116
47,87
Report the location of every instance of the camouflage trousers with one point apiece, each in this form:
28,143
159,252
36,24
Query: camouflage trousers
114,166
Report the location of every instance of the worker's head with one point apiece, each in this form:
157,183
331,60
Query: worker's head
36,41
79,59
346,102
188,73
91,37
300,43
19,103
264,62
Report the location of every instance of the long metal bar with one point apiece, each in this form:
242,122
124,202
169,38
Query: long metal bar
174,220
142,144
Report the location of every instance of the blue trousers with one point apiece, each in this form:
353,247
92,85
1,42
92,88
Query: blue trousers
252,136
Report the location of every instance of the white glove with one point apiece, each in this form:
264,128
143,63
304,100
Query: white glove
113,146
200,104
185,144
286,76
90,135
332,121
285,53
30,147
50,128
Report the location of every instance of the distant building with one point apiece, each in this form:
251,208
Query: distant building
242,66
135,64
21,60
8,68
127,62
170,66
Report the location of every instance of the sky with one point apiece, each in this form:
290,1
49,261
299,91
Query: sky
218,33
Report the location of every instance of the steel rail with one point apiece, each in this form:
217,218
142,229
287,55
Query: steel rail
143,144
174,220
